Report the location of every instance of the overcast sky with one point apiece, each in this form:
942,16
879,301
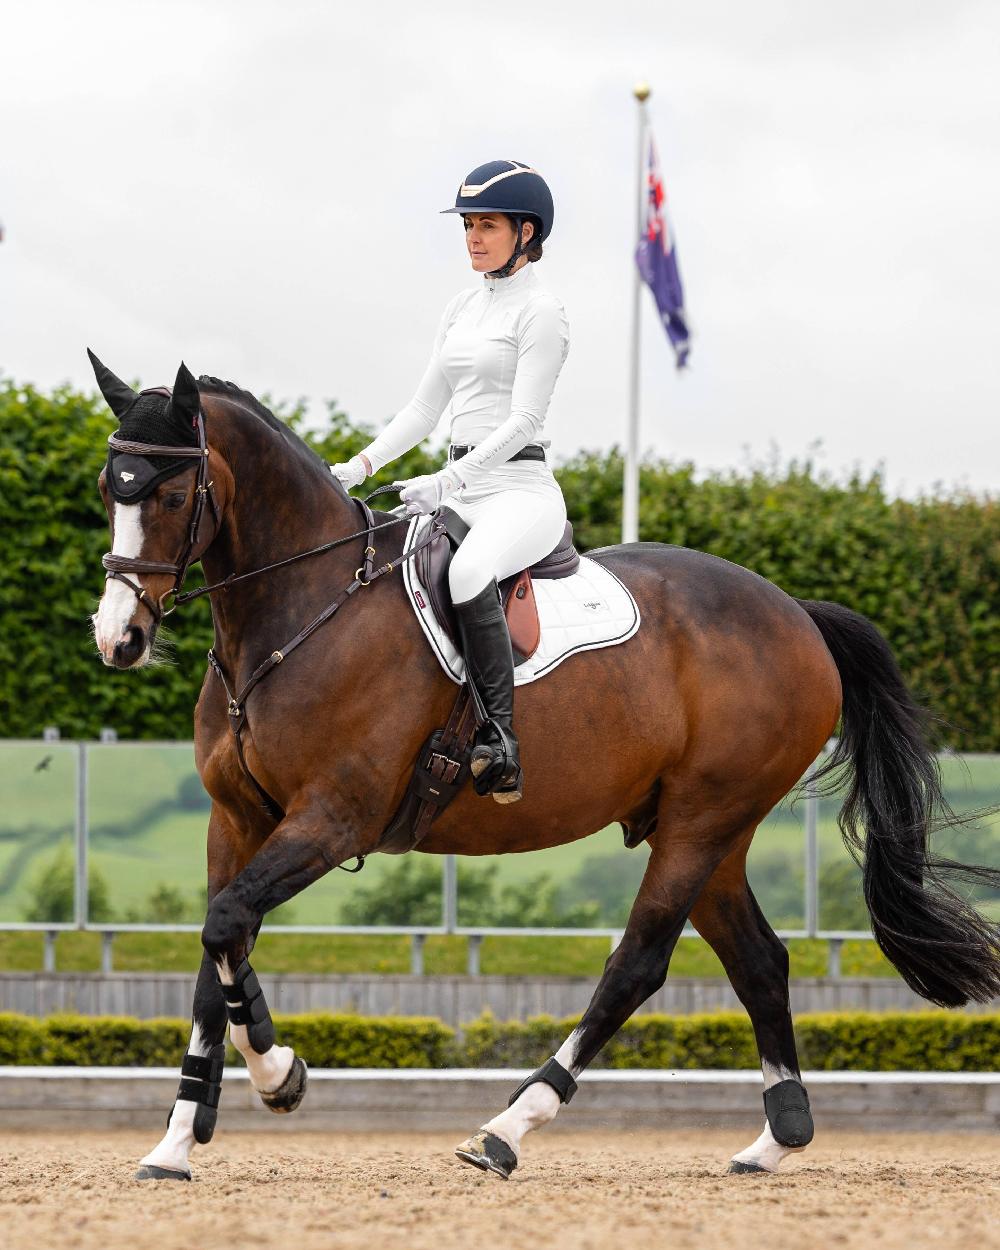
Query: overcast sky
255,188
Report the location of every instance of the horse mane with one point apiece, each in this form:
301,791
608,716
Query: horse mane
229,390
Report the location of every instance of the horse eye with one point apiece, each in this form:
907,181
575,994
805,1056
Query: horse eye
174,501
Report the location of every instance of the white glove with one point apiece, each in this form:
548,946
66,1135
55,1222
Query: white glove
351,472
428,493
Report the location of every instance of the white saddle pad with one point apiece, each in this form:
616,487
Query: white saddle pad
590,609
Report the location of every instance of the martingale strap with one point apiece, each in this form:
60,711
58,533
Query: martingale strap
364,576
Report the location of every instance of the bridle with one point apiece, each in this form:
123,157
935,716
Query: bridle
117,566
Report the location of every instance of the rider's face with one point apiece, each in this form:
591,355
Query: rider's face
490,239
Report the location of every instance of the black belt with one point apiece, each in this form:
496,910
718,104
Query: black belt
532,452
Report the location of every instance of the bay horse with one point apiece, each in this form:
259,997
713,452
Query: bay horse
688,734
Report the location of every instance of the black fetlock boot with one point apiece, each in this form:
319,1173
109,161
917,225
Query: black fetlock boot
485,639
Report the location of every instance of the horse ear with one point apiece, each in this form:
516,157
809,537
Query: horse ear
119,396
186,399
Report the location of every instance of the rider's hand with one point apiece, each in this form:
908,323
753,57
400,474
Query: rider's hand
351,472
426,494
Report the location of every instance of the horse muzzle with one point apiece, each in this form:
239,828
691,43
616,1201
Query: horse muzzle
131,650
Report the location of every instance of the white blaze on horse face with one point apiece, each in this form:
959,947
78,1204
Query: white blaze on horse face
118,603
175,1147
537,1105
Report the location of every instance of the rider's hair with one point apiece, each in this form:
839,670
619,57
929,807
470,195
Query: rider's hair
534,249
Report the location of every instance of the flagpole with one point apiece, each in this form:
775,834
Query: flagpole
630,486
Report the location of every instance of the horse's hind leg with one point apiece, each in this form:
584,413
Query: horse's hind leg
673,879
729,919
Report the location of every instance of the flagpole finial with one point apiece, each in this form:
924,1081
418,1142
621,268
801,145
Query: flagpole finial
642,91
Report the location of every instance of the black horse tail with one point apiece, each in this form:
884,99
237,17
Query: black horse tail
940,945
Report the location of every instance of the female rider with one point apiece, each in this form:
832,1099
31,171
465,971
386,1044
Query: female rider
496,358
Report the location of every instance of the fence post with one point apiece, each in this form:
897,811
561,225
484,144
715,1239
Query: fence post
475,945
417,954
834,949
49,951
449,894
80,891
812,855
107,951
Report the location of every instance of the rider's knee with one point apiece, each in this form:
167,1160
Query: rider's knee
466,577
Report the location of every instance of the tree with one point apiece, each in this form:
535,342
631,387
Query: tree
53,892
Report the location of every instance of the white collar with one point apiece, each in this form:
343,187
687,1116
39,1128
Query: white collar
515,282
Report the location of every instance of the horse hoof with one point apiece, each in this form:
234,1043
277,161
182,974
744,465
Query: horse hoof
736,1168
290,1092
486,1151
150,1172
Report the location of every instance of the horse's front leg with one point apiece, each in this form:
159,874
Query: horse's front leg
304,846
192,1117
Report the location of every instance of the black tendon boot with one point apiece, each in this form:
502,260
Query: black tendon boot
495,764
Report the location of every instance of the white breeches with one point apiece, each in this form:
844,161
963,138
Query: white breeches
509,530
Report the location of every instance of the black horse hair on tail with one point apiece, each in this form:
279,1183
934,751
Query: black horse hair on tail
941,946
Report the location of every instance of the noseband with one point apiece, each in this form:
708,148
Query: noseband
118,566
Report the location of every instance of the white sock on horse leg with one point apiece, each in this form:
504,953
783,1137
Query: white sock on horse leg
174,1148
765,1152
536,1106
267,1071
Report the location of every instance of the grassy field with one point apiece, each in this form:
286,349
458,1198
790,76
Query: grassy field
147,823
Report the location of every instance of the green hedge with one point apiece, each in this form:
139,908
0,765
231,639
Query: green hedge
927,572
936,1041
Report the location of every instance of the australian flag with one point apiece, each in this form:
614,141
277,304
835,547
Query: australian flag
656,257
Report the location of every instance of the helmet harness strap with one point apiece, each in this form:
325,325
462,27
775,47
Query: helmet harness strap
518,252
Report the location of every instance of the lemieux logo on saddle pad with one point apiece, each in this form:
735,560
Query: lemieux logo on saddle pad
587,610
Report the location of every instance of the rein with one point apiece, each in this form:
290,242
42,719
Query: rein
117,566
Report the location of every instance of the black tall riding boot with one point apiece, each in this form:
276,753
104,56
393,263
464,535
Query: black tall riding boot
485,639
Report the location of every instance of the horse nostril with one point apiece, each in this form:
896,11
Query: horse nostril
128,651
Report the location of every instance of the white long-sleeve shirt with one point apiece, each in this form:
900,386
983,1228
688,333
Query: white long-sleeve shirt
498,352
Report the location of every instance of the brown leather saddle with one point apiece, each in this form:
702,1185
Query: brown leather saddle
431,566
441,768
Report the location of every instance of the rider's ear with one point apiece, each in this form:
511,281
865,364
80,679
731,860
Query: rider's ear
186,400
119,396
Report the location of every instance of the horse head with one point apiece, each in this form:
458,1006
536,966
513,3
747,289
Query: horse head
154,486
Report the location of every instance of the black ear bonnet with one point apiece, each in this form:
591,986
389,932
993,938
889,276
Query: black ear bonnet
150,419
152,416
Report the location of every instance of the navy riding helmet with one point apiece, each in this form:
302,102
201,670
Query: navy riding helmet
512,188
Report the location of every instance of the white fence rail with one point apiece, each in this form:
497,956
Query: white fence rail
84,753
